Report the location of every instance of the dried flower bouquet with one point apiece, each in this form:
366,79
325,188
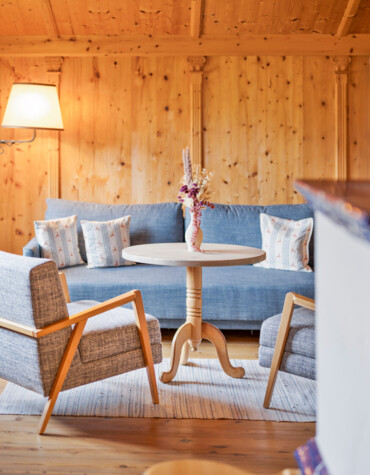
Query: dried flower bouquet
194,194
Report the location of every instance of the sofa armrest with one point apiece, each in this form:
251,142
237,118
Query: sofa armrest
32,249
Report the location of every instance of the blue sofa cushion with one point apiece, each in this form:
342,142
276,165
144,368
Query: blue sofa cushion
233,297
150,223
240,224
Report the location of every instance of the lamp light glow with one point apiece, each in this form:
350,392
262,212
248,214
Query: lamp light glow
33,106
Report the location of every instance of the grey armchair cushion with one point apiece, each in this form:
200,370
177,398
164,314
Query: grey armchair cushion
301,339
291,363
112,332
299,354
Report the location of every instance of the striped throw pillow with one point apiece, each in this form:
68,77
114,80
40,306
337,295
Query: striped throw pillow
105,241
58,240
286,243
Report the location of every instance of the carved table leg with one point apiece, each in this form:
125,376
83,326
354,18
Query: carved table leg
190,334
181,336
194,304
213,334
185,353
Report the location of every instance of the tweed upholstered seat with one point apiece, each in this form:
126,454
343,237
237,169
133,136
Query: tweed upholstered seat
46,346
112,333
299,354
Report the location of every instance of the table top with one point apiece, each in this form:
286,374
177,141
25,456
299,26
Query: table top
177,254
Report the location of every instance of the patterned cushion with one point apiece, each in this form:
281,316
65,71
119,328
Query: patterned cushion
58,241
159,222
286,243
105,241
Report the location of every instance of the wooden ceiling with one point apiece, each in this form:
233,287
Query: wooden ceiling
211,20
173,17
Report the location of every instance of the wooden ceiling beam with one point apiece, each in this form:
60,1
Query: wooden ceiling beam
196,18
275,45
349,14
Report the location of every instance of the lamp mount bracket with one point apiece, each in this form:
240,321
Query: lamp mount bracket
9,143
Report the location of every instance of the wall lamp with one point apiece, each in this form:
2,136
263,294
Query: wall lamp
32,106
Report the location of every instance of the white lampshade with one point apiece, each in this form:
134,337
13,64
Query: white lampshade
34,106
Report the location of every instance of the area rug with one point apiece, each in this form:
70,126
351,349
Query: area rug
200,390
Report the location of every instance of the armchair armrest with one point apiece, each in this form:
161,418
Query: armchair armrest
32,248
301,301
88,313
133,295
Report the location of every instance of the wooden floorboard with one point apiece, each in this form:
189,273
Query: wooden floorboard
89,445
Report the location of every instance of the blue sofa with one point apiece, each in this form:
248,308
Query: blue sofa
239,297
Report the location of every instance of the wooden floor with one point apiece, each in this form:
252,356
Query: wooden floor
86,445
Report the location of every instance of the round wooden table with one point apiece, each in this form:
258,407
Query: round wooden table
194,467
190,334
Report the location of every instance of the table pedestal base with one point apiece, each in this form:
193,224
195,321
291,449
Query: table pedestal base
190,334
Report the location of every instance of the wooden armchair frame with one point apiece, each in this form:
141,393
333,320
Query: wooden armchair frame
79,320
291,299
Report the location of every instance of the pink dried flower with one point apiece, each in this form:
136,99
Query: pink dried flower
187,166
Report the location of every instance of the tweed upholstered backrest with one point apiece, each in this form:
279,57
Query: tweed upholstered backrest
31,294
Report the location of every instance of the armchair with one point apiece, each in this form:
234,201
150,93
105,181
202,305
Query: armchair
291,340
45,349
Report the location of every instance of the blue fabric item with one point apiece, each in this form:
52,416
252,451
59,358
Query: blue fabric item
239,297
240,224
150,223
301,339
292,363
32,248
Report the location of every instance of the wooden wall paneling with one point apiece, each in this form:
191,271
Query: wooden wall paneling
318,118
248,130
294,130
280,127
359,119
221,126
253,133
160,127
341,65
24,168
96,142
54,69
196,65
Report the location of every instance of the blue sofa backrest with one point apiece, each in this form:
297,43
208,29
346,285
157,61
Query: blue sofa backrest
240,224
150,223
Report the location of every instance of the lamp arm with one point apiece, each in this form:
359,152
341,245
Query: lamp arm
9,143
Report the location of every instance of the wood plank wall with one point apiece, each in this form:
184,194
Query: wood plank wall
266,122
